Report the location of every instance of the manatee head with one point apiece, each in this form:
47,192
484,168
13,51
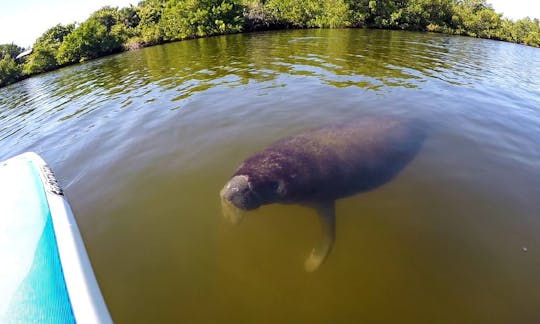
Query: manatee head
257,182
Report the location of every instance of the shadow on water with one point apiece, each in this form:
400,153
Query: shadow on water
143,142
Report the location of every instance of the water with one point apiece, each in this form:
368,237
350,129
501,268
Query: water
143,142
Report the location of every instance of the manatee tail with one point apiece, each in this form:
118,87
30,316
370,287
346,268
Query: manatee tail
327,212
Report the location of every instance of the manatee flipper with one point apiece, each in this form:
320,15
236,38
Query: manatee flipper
318,254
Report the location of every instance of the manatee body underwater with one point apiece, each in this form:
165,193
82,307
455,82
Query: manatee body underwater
321,165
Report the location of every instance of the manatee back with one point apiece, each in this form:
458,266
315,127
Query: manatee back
338,160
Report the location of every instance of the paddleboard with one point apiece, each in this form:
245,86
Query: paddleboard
45,273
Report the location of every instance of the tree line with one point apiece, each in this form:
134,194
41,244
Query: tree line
111,30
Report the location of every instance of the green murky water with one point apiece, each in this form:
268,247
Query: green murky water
143,142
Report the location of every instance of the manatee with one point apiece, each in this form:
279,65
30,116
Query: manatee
321,165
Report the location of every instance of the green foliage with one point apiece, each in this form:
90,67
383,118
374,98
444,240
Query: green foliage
358,12
475,18
45,49
404,14
526,31
10,50
148,30
419,14
129,17
309,13
334,15
55,35
293,13
9,71
478,19
99,35
385,14
42,59
183,19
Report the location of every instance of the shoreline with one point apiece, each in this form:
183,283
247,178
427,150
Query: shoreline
112,30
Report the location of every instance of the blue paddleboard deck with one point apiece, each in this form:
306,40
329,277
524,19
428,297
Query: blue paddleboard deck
46,276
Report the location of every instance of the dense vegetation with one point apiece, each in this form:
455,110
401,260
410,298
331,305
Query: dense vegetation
110,30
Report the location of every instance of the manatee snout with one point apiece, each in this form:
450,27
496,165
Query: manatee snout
237,197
